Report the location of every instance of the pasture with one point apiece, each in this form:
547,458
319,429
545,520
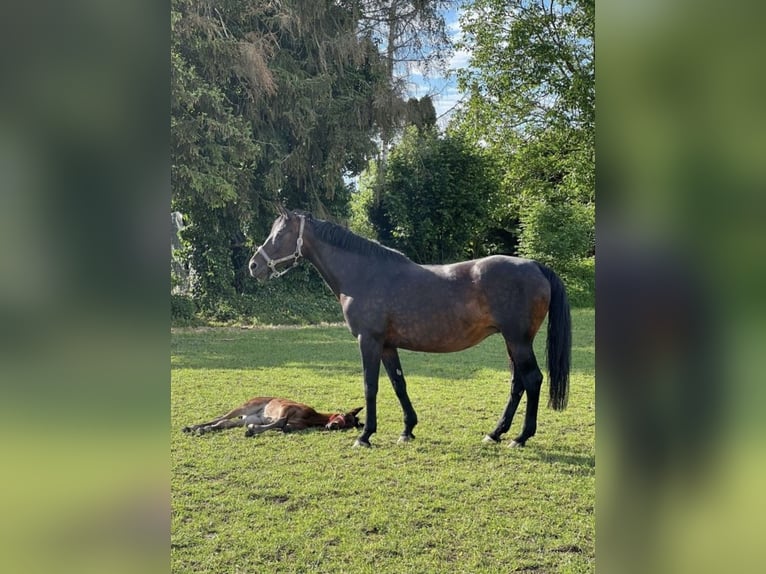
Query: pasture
308,502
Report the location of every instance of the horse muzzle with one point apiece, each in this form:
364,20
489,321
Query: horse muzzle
258,270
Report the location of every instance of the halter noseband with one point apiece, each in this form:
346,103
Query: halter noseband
339,418
272,263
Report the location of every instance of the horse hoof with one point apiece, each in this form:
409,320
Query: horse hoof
405,438
489,440
361,443
515,444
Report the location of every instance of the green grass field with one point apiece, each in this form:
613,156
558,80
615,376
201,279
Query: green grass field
444,503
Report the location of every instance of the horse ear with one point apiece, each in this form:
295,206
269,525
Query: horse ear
356,411
282,211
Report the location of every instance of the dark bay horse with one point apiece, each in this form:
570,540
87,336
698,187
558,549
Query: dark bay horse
265,413
390,302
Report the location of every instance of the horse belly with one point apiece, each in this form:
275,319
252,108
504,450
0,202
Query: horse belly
256,419
453,344
442,331
262,411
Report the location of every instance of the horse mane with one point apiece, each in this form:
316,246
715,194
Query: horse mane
342,238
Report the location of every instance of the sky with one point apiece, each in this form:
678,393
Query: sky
442,87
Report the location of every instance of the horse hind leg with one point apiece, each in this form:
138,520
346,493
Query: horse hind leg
393,366
532,379
517,390
526,377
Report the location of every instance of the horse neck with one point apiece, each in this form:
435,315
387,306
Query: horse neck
332,263
316,419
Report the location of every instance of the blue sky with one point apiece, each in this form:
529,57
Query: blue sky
440,86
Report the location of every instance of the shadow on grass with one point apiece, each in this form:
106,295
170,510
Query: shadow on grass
581,464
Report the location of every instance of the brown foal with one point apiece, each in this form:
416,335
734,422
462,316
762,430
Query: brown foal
264,413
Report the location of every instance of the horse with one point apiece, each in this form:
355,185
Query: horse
390,302
265,413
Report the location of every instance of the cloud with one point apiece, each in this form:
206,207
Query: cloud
460,59
441,85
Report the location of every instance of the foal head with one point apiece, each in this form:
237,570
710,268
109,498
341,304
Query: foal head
344,421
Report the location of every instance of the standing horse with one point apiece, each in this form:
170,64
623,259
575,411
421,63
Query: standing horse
390,302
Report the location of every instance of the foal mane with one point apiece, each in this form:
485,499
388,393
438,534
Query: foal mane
342,238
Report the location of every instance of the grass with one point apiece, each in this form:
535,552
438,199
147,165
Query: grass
308,502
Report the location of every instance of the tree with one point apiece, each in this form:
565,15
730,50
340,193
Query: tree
435,196
532,66
270,101
531,88
408,33
213,156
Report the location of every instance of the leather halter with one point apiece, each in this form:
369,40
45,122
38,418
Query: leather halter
339,418
272,263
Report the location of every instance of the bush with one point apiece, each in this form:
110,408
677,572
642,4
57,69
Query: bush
435,197
561,235
182,309
557,234
580,281
299,298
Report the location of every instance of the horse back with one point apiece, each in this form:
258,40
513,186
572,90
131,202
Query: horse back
446,308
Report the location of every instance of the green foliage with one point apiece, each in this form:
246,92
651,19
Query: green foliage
269,102
580,280
532,65
531,87
298,298
182,310
435,195
361,204
557,234
307,502
561,235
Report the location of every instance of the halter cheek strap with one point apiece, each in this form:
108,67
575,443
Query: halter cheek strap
272,263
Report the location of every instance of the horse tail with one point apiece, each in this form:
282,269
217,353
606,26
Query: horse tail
559,342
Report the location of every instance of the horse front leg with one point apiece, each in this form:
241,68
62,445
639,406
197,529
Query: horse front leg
371,349
394,369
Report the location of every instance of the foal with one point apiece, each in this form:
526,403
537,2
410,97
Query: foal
264,413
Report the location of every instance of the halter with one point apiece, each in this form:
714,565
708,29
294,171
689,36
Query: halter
272,263
337,417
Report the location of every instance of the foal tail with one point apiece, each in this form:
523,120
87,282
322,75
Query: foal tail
559,343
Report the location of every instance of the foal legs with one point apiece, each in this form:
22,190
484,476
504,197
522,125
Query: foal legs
393,367
218,424
526,377
254,429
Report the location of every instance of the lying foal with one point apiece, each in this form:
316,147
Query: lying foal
264,413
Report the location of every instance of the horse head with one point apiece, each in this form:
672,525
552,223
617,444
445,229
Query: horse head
344,421
283,244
